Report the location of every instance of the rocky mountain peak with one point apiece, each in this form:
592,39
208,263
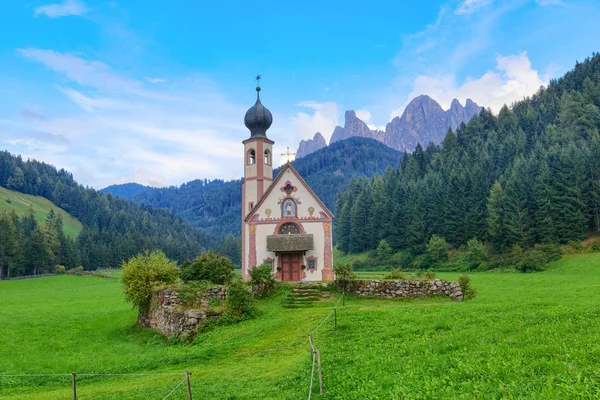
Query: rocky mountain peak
311,145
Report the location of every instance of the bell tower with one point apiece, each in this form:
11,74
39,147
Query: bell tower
258,162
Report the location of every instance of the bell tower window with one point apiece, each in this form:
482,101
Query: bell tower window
267,157
251,157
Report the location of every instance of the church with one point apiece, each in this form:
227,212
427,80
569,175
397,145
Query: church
284,224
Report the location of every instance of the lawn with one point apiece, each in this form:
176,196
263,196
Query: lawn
20,203
523,336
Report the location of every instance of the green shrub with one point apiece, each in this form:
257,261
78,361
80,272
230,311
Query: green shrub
464,281
208,266
533,260
343,275
423,262
263,278
190,293
403,259
141,273
438,247
59,269
239,303
75,271
575,245
595,247
476,254
395,274
425,275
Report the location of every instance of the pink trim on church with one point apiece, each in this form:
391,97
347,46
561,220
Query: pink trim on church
328,256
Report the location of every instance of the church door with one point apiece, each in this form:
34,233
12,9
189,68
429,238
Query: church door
291,266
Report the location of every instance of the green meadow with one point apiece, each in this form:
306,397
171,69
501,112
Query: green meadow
20,203
525,336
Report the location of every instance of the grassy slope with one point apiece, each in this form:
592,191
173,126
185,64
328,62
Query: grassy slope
523,336
20,202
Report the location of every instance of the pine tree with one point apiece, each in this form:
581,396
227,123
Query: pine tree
9,245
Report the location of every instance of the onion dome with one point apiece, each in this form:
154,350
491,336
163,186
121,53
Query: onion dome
258,118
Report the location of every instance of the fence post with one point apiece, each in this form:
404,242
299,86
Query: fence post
189,388
74,384
334,318
344,298
320,374
311,346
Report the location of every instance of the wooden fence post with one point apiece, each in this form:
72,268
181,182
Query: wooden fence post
311,346
320,373
344,298
74,384
189,388
334,318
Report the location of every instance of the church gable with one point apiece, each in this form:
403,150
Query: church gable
289,196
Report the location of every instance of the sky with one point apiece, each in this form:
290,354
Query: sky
155,92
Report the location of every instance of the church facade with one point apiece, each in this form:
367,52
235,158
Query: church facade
284,224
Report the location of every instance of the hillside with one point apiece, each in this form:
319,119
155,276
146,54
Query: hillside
20,203
216,205
548,322
530,175
113,229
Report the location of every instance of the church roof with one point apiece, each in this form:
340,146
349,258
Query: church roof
286,167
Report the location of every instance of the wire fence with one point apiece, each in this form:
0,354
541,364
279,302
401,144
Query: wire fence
14,278
315,353
73,376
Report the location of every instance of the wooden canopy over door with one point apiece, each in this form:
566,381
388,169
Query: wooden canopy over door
291,266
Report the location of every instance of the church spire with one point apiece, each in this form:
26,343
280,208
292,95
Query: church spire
258,118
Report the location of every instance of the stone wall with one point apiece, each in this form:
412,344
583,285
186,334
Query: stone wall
406,288
170,316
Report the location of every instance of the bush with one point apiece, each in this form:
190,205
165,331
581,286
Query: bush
395,274
533,260
208,266
141,274
595,247
423,262
239,303
263,278
403,259
59,269
575,245
343,276
464,281
425,275
75,271
476,254
438,247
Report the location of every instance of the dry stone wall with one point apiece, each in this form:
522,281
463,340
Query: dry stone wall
170,316
406,288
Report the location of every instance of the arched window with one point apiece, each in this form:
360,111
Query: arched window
267,157
289,229
288,208
251,157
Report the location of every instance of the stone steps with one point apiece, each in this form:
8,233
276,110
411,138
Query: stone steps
302,296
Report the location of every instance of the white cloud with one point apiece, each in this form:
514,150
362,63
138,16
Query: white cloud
86,73
364,115
511,80
470,6
68,7
324,119
546,3
156,80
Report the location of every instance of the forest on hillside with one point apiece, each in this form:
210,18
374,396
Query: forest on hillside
215,206
530,175
113,229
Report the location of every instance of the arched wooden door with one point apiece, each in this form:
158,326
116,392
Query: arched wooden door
291,266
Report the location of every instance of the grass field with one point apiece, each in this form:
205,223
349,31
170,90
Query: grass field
19,203
534,336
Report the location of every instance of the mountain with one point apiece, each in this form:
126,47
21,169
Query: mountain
525,180
215,206
113,228
423,121
311,145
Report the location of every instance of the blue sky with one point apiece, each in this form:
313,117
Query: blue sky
155,91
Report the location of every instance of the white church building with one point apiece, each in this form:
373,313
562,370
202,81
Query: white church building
284,223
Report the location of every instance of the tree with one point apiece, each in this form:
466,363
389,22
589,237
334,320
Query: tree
141,274
496,220
438,248
384,252
9,244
